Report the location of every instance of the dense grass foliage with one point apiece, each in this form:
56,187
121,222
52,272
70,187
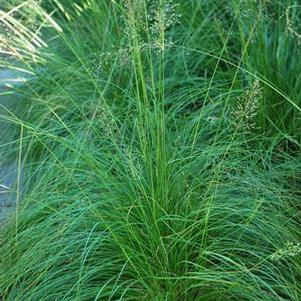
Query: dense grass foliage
160,145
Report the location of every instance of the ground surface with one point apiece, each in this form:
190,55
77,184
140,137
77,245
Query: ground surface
8,168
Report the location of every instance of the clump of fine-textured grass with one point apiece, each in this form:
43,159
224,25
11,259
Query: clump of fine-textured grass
121,227
147,172
274,56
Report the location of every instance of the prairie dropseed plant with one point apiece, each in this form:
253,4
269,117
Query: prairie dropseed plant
137,184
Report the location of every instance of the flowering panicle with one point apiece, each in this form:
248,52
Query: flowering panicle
161,18
149,22
246,109
146,22
291,24
121,57
290,250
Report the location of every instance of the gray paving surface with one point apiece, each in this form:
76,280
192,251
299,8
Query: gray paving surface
8,169
8,175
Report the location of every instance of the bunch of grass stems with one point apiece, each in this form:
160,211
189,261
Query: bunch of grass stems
158,150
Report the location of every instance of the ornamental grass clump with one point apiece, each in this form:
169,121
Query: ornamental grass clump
147,175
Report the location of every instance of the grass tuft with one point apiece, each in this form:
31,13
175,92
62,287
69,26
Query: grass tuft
159,147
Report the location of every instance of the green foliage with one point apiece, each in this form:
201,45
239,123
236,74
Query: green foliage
152,137
275,57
